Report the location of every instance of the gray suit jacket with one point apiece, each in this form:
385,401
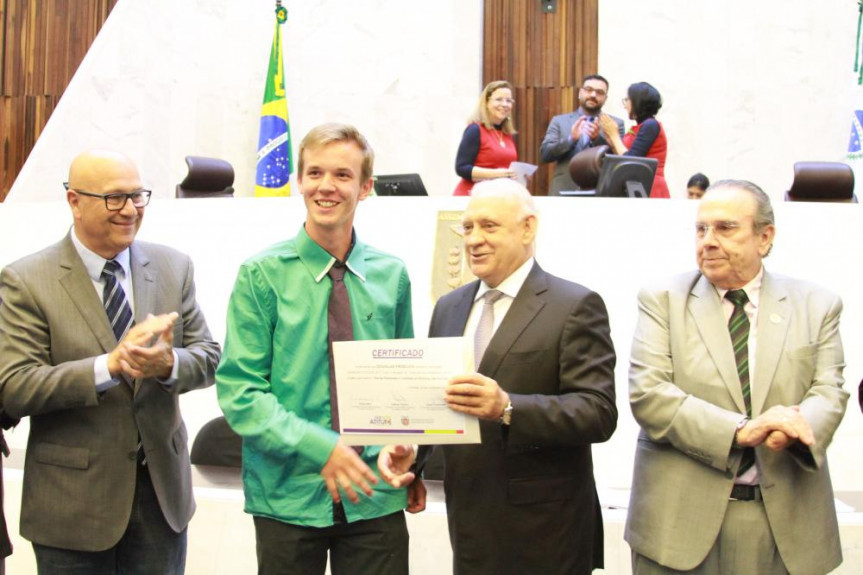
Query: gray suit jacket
524,500
558,147
79,475
685,394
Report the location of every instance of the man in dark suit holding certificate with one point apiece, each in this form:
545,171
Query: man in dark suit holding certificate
523,500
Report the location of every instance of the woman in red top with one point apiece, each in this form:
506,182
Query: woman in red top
487,146
647,138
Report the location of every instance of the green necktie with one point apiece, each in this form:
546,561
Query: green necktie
738,328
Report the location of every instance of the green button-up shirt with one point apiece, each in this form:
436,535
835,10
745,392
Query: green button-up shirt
273,381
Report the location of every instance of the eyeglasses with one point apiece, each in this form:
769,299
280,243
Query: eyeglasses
509,101
721,229
117,201
597,91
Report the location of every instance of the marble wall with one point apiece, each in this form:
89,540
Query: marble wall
168,78
749,87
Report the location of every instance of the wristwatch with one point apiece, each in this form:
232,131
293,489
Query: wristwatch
506,416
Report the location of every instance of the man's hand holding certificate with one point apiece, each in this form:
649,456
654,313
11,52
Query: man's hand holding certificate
393,391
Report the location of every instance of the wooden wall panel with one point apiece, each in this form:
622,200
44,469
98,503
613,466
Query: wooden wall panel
544,56
43,42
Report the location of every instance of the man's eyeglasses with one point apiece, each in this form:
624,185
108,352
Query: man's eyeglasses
597,91
117,201
721,229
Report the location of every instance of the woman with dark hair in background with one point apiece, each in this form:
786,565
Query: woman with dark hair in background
696,186
647,138
487,146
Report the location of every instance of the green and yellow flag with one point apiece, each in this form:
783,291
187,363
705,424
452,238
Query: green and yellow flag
275,159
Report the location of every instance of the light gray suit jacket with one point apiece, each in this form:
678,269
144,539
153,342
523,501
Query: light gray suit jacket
686,395
79,475
558,147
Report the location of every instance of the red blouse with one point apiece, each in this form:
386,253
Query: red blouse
496,150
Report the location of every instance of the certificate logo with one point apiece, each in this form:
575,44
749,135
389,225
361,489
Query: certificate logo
381,420
406,420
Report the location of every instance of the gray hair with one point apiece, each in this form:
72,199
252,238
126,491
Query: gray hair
763,208
508,189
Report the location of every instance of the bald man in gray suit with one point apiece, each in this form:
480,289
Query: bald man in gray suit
107,480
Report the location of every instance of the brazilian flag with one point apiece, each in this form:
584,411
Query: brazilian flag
275,159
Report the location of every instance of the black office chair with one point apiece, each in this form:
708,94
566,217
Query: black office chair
822,182
207,178
585,166
584,169
400,185
217,444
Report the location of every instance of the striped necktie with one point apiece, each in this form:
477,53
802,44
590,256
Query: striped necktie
114,299
120,315
738,328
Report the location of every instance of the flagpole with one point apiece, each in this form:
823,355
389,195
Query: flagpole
857,67
275,158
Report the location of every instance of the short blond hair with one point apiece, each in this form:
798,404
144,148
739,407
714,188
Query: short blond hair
332,132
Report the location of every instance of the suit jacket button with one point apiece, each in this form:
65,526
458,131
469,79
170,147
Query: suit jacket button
133,455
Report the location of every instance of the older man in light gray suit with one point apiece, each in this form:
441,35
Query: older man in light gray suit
736,381
569,134
107,481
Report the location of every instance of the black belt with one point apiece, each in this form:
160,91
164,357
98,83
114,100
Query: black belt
745,493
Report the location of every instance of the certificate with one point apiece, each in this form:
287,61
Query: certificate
522,171
392,391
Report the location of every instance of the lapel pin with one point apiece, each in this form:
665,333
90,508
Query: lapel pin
369,317
775,318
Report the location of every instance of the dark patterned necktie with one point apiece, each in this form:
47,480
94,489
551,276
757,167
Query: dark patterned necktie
120,315
485,328
340,328
738,328
114,299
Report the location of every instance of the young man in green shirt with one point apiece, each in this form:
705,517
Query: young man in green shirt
308,492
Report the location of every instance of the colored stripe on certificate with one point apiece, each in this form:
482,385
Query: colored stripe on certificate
402,431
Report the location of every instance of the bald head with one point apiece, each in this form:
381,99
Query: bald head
97,173
90,169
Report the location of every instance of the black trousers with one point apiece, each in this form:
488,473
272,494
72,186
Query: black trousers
378,546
